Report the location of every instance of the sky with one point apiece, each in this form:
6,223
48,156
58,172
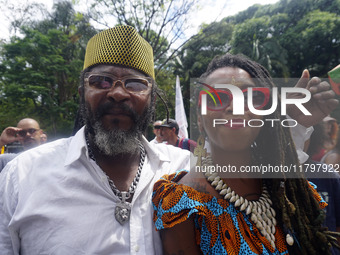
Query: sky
215,10
207,12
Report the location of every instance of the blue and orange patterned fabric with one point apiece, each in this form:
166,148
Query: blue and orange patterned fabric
317,196
219,226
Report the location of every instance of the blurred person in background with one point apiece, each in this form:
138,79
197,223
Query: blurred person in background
169,130
157,132
27,133
316,149
331,129
332,157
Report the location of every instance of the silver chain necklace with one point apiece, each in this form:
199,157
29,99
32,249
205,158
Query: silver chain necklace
123,208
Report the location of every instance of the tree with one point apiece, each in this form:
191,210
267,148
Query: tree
255,39
212,40
314,43
161,23
193,59
40,71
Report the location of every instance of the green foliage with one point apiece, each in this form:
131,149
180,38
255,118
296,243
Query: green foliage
212,40
166,81
159,51
40,71
317,43
285,37
256,39
289,36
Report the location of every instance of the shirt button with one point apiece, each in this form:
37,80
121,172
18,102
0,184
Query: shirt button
136,248
104,178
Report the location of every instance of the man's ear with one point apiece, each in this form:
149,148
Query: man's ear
38,133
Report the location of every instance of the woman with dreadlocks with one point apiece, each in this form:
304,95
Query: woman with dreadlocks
213,213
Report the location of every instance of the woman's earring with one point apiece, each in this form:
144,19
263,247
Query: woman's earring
200,152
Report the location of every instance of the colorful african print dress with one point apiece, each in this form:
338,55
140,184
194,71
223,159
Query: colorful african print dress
220,227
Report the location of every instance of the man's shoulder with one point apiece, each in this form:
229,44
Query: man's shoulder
168,149
192,142
5,158
8,156
167,152
154,141
54,145
39,160
47,152
171,158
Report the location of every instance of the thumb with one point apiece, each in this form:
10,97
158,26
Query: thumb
303,81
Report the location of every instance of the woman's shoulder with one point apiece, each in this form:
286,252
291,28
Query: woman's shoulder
178,196
182,181
183,190
197,181
189,181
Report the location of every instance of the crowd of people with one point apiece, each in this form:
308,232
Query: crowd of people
108,190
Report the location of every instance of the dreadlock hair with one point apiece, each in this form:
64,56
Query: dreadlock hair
298,212
79,122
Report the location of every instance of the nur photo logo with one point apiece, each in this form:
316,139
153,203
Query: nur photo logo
254,99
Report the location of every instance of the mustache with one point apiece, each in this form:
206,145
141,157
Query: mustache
112,107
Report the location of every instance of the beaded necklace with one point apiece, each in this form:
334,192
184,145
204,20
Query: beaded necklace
260,211
262,214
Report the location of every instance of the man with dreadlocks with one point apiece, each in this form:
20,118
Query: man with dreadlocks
211,212
91,193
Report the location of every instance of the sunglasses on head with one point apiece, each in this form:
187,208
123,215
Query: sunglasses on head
132,83
260,98
23,132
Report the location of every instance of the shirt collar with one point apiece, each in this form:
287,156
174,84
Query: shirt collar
78,147
153,152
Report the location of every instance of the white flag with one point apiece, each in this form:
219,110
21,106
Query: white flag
180,116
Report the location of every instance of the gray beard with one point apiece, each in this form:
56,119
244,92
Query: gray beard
115,142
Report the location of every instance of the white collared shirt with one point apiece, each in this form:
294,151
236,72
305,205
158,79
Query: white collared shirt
55,200
154,141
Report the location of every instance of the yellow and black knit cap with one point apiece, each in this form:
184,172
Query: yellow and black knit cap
120,45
